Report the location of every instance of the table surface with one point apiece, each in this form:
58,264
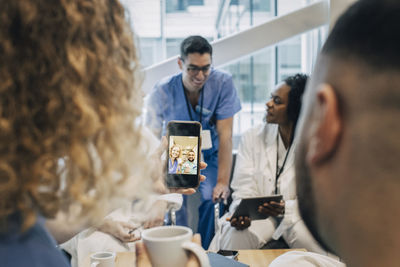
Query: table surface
251,257
123,259
261,257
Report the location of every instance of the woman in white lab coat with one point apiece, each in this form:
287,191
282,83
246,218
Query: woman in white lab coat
257,173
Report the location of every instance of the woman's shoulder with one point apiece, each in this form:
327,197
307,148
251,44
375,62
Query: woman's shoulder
260,130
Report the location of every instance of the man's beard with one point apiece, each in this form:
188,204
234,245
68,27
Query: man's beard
306,196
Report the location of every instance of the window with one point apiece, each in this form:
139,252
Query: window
173,46
172,6
196,2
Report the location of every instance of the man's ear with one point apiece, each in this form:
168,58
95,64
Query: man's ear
180,63
328,126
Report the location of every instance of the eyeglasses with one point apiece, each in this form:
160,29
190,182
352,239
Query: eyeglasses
194,70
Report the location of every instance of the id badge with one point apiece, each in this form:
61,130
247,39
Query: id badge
206,142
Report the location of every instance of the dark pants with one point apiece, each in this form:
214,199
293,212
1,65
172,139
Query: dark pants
206,208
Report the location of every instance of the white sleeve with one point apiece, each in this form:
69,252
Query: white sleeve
305,259
292,213
292,216
243,182
174,200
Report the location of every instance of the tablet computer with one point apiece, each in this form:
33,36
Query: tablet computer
249,207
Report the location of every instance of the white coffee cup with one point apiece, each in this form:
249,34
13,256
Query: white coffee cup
168,246
102,259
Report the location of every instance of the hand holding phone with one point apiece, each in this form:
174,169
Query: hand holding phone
183,161
190,191
159,184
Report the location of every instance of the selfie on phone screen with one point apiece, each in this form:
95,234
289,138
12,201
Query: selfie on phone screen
182,154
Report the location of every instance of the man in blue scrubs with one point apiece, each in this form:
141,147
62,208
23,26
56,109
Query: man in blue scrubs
200,93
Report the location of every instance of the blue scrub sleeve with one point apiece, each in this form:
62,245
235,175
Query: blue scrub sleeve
229,103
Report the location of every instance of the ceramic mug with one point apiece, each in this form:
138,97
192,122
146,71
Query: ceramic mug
102,259
168,246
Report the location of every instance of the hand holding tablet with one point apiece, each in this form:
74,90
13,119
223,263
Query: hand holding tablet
275,209
259,208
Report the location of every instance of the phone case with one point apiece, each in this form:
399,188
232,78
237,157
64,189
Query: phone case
184,141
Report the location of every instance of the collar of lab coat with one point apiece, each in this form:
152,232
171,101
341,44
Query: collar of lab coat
269,133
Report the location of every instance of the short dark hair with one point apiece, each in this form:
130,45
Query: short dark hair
297,84
195,44
369,33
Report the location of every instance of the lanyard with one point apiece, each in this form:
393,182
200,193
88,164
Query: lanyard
280,170
201,103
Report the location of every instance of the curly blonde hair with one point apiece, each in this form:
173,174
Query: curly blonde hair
69,97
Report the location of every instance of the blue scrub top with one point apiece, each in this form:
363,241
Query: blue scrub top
167,102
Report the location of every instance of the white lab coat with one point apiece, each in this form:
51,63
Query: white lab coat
254,176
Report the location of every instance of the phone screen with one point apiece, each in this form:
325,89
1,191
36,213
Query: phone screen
183,154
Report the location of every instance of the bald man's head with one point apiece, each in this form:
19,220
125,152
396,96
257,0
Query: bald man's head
350,130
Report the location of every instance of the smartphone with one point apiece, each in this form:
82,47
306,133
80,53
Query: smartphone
183,155
232,254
